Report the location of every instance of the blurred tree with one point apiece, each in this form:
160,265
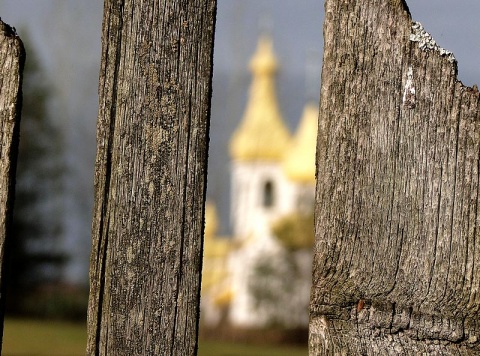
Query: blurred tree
35,256
280,283
295,231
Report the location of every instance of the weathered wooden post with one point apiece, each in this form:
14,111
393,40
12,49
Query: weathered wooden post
12,59
397,259
150,178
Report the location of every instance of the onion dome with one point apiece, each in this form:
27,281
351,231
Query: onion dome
262,134
299,161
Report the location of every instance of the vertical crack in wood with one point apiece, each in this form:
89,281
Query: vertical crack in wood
405,136
155,96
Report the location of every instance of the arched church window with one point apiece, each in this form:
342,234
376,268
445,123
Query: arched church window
268,194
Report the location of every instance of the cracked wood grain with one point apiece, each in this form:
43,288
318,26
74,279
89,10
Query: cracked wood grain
152,139
397,257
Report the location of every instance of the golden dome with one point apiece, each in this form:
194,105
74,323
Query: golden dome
299,161
264,61
262,134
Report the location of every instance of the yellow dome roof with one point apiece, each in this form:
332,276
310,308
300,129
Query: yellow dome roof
299,161
262,134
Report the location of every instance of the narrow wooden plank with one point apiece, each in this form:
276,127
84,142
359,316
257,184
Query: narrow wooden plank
150,177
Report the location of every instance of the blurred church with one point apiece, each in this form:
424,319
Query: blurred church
261,276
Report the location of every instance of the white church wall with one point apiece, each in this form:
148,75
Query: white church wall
250,213
252,218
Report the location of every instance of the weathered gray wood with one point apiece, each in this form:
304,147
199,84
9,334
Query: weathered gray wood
12,59
397,256
152,137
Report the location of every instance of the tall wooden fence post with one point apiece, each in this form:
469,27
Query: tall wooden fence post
397,256
150,177
12,59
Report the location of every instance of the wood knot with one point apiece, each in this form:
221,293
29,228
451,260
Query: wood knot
360,305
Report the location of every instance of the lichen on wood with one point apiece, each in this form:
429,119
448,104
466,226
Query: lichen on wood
396,267
426,42
150,177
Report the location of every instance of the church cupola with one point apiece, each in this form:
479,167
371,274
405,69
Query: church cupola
257,148
262,134
299,161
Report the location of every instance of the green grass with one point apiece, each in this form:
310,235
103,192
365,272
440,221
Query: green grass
49,338
42,338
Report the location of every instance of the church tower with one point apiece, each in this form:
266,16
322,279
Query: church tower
257,148
273,176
